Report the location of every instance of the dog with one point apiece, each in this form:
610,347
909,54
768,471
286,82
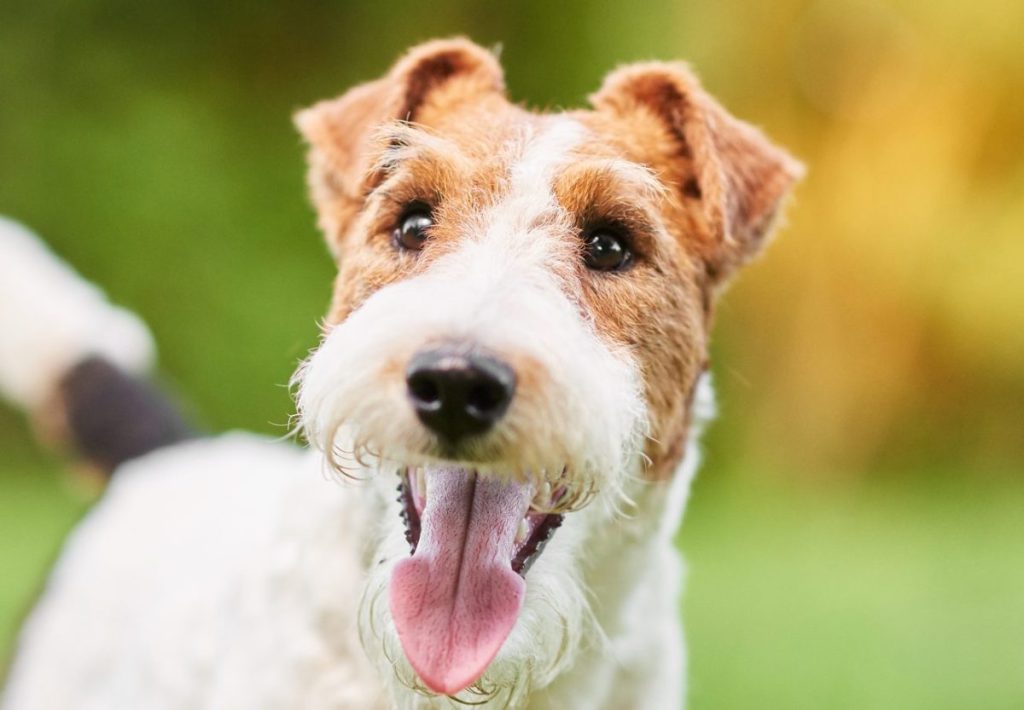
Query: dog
506,398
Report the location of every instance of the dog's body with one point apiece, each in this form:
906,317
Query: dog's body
254,604
513,363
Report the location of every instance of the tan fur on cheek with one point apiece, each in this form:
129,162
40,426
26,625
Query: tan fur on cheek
654,311
363,271
361,277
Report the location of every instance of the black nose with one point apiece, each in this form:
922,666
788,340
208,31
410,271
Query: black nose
458,394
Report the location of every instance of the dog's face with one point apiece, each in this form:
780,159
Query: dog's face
518,325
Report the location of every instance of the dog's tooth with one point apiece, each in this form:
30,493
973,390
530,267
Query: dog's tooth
421,484
542,498
522,532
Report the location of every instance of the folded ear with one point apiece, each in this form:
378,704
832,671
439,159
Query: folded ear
340,131
736,175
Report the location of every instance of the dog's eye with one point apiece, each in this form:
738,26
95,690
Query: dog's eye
412,231
604,250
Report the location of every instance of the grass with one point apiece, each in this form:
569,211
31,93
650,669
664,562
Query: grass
894,595
37,508
889,595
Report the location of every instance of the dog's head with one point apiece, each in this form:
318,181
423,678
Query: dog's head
518,325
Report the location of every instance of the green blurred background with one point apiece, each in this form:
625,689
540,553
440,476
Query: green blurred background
856,537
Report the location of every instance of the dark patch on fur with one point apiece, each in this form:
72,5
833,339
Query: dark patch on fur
431,73
113,417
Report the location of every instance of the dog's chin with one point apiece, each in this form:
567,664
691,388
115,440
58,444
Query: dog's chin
458,595
478,591
477,588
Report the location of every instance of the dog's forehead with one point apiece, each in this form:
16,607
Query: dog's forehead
496,134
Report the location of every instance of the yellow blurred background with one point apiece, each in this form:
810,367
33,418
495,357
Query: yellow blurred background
888,322
857,532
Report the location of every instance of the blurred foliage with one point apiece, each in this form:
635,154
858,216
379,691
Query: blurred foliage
150,143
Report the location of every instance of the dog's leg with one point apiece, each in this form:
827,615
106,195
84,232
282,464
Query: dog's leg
74,361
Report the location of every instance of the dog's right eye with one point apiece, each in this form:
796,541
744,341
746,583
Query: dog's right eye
413,229
606,250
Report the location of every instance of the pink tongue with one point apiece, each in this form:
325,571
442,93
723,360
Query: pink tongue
456,599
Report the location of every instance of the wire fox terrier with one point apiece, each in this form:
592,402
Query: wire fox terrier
512,373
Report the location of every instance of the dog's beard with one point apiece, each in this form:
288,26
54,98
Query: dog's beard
554,621
554,618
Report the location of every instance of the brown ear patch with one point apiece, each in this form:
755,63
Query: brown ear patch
739,177
440,63
428,74
339,132
758,177
436,75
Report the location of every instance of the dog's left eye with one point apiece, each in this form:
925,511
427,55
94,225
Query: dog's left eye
604,250
413,229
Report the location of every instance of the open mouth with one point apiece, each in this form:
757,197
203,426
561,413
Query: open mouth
455,600
532,533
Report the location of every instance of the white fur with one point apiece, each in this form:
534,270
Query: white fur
213,575
51,319
226,573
